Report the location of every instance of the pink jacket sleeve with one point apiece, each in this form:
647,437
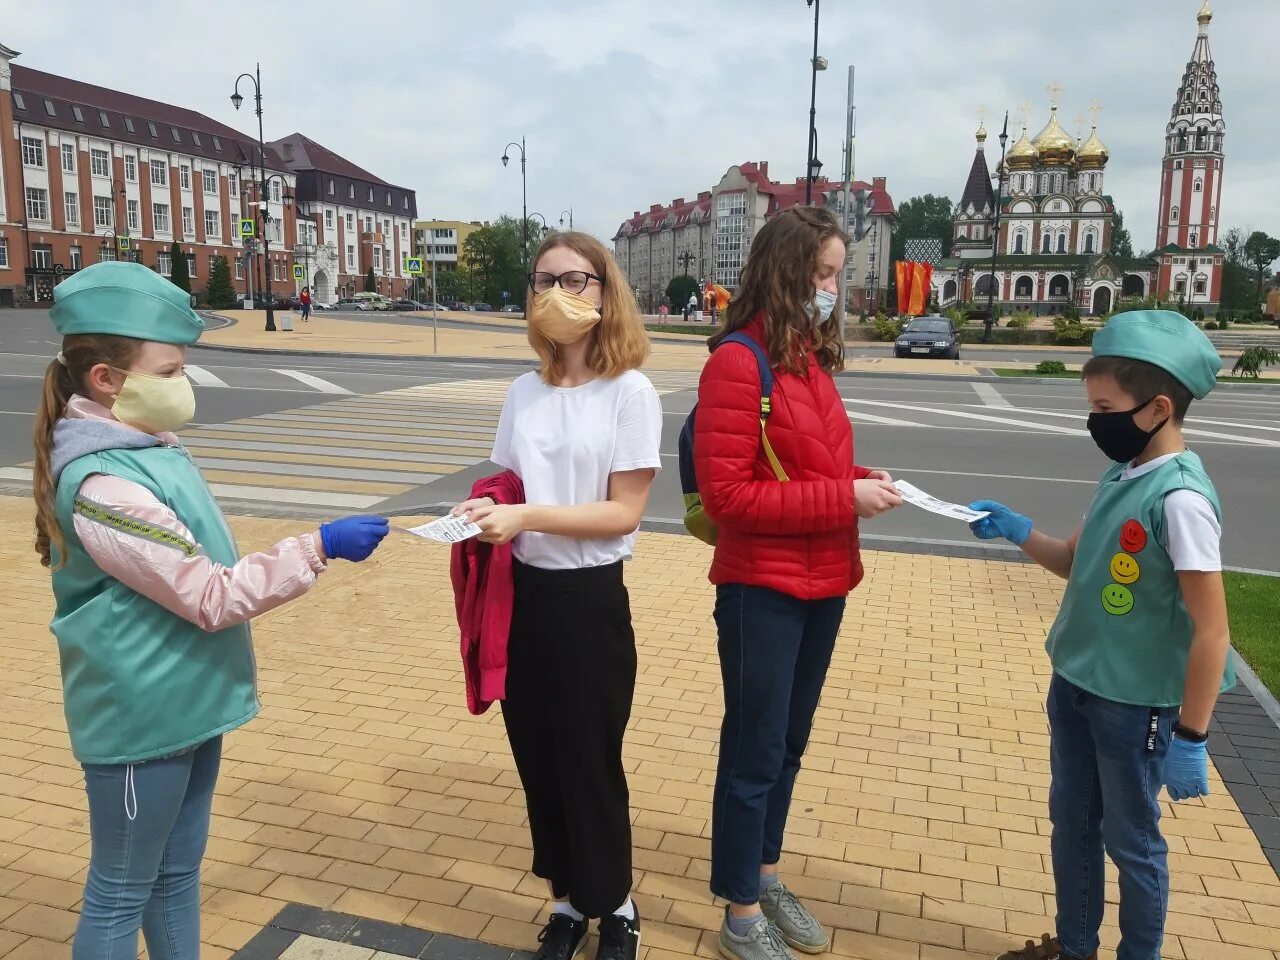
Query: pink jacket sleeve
185,581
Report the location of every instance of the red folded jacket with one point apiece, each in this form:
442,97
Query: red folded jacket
484,593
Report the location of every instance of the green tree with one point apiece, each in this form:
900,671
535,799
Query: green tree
221,294
1121,242
370,282
1260,251
496,258
179,275
919,218
1237,284
678,291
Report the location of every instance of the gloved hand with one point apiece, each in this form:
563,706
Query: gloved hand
1186,769
353,538
1002,522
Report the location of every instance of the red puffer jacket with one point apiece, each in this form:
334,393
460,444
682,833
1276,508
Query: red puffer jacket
799,536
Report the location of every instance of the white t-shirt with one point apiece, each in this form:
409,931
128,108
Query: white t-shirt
1191,525
564,442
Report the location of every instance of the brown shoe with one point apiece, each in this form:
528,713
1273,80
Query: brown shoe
1047,949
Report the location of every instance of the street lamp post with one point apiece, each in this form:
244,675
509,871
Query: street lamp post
236,101
570,213
524,196
686,260
817,63
123,194
990,322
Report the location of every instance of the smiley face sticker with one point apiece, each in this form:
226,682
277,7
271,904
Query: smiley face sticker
1117,600
1124,569
1133,538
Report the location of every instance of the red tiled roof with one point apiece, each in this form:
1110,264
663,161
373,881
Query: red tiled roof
300,152
36,86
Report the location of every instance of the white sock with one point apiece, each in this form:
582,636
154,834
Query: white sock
627,910
563,906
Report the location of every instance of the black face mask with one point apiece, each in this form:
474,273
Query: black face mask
1118,436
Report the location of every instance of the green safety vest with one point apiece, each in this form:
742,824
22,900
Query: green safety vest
139,682
1123,632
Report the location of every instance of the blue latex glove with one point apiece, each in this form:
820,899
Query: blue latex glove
1002,522
353,538
1186,769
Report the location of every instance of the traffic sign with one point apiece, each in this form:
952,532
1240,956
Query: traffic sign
413,266
123,244
299,272
248,227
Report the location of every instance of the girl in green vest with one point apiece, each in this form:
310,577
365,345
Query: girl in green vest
153,602
1140,646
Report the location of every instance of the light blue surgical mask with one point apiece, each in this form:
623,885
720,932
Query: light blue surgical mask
823,303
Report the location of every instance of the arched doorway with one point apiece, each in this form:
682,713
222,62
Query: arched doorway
1023,288
1101,301
985,286
1134,286
1059,286
949,290
322,290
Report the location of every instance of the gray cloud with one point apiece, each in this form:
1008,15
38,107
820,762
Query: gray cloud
631,102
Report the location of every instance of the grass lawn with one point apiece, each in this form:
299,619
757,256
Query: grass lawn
691,329
1075,375
1253,604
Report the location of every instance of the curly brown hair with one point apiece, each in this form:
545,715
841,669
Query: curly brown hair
777,281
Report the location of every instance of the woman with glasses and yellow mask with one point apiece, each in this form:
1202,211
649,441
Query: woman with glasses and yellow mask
583,435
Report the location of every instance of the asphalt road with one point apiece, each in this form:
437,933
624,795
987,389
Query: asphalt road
324,435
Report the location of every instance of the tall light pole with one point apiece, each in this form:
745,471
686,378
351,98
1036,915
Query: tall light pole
990,322
524,197
817,64
562,214
236,101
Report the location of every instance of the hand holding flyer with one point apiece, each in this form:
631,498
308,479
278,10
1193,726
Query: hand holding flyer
918,498
444,530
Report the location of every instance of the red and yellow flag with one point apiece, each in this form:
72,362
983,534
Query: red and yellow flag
903,271
920,278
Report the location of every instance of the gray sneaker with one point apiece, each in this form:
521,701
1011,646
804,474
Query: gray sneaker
797,925
762,942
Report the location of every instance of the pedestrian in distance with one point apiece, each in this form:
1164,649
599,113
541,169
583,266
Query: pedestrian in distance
583,434
691,307
305,300
1140,645
786,504
152,601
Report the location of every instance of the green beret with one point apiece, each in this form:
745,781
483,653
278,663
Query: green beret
127,300
1165,339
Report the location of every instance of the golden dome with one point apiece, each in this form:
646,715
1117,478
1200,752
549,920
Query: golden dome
1022,155
1092,154
1205,14
982,133
1053,144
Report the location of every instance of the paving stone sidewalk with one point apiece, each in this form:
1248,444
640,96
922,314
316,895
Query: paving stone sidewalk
365,789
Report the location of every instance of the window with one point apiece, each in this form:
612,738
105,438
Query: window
1062,243
160,217
1213,214
33,151
132,211
1199,185
184,176
69,158
42,256
351,221
191,264
1088,242
351,191
213,262
1046,244
239,268
405,201
4,254
377,258
217,144
212,224
1177,164
128,125
1019,242
177,137
275,191
388,198
331,188
351,256
100,163
164,263
71,204
37,204
131,168
159,173
151,129
371,194
104,214
232,188
1200,286
18,101
210,178
188,221
195,138
1193,241
77,258
328,219
368,224
277,270
1173,214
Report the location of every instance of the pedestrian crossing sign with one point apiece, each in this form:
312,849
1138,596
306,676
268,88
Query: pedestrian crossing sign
413,266
299,272
123,244
247,227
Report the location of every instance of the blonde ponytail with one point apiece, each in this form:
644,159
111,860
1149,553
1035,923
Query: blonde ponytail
62,379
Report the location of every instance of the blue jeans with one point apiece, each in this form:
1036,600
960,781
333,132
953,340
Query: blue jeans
1107,763
148,823
774,654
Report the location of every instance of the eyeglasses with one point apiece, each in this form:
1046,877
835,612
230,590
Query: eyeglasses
575,281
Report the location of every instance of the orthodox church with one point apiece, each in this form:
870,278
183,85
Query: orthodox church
1053,225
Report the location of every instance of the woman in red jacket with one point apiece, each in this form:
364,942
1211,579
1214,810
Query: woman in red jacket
786,558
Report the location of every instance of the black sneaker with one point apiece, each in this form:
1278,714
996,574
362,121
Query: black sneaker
619,937
562,938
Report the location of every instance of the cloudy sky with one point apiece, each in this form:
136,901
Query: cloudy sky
631,102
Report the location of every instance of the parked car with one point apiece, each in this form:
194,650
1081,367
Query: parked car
376,301
461,307
482,308
350,303
317,305
511,308
928,337
404,304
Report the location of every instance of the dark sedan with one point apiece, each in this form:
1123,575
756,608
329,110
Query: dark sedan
928,337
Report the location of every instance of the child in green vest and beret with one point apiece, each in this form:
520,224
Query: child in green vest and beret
1140,646
153,601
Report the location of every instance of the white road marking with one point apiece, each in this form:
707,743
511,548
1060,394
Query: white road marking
864,417
991,476
1187,431
203,378
973,416
260,495
990,395
324,386
15,473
